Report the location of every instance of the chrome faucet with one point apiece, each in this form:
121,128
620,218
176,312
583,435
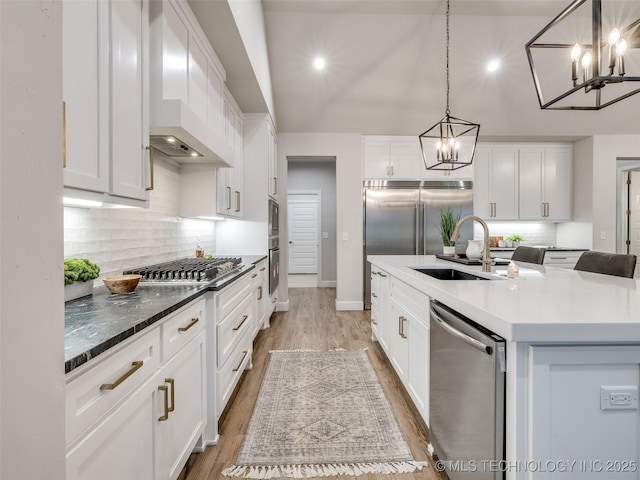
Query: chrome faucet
487,261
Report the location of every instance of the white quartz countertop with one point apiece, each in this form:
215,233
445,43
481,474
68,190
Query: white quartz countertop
542,305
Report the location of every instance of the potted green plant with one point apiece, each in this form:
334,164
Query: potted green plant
515,239
78,277
448,221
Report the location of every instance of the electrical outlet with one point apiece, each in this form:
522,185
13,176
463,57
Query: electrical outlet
603,235
345,236
325,234
619,398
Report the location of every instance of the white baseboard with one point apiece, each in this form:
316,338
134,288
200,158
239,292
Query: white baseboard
282,306
327,284
349,305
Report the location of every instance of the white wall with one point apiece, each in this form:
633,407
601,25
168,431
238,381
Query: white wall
32,440
119,239
347,148
320,176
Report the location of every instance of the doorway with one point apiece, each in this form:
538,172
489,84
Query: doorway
628,208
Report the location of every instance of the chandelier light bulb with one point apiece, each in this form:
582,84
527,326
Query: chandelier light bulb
614,36
621,47
438,145
586,60
575,52
451,142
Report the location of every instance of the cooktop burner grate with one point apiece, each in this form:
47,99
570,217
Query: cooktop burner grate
188,269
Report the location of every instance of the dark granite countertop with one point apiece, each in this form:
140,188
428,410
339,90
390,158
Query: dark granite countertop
98,322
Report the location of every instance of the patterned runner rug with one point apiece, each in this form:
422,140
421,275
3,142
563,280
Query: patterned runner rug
321,414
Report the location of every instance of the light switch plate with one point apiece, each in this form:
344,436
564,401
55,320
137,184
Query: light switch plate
325,234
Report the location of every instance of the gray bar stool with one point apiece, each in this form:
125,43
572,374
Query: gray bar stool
529,254
620,265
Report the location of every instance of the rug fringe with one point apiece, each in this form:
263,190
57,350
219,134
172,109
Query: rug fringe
324,470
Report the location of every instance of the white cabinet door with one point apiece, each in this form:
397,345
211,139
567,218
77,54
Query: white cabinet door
273,162
122,446
198,79
418,374
86,95
385,325
184,406
376,159
496,183
557,183
399,342
531,175
229,183
403,160
129,98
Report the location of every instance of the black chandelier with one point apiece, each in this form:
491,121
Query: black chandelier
570,63
451,143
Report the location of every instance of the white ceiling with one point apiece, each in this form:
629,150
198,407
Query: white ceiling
385,68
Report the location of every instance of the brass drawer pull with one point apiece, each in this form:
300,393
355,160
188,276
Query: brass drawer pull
244,319
263,269
401,320
194,320
172,384
244,355
373,320
254,275
374,295
260,292
134,367
228,198
382,274
237,201
165,390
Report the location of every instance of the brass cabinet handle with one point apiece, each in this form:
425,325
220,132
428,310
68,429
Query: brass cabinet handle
263,269
228,198
275,185
172,384
244,319
373,320
274,300
151,162
244,355
193,321
382,274
165,390
259,292
392,170
401,320
254,275
374,295
64,134
134,367
544,209
237,201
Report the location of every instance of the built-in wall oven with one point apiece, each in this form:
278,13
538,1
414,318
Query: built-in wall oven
274,247
466,396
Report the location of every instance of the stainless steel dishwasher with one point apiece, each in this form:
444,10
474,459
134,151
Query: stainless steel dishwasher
467,396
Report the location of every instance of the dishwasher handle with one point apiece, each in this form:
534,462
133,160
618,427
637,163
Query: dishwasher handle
462,336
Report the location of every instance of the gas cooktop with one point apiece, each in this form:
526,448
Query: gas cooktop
188,270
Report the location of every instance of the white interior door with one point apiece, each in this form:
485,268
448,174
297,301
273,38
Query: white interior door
302,220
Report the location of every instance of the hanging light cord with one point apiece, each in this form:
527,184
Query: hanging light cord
447,110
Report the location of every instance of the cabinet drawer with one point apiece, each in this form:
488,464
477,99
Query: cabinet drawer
375,319
227,376
183,326
561,259
410,298
96,391
231,296
233,327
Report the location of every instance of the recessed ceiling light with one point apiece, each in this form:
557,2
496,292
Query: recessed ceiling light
493,65
319,63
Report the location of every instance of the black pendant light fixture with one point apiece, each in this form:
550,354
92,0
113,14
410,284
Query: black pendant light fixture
576,66
451,143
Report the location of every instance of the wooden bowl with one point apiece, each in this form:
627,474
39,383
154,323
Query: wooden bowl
122,283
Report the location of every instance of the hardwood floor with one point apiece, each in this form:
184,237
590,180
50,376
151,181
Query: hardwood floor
311,323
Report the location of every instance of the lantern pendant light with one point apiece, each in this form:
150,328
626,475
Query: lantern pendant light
451,143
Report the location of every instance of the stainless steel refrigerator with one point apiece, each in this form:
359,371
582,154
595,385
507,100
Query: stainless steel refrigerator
402,218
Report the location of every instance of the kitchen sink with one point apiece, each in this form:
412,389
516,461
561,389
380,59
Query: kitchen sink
449,274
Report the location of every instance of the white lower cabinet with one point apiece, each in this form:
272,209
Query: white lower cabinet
401,314
261,292
144,415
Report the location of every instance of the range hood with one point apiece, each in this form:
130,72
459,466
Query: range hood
184,137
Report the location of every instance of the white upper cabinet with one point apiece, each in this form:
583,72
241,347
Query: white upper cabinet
545,183
495,190
230,180
186,94
400,158
523,182
390,158
272,152
105,70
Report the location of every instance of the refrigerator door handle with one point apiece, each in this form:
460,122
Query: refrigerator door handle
424,229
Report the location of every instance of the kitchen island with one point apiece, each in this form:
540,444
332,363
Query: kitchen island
572,343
